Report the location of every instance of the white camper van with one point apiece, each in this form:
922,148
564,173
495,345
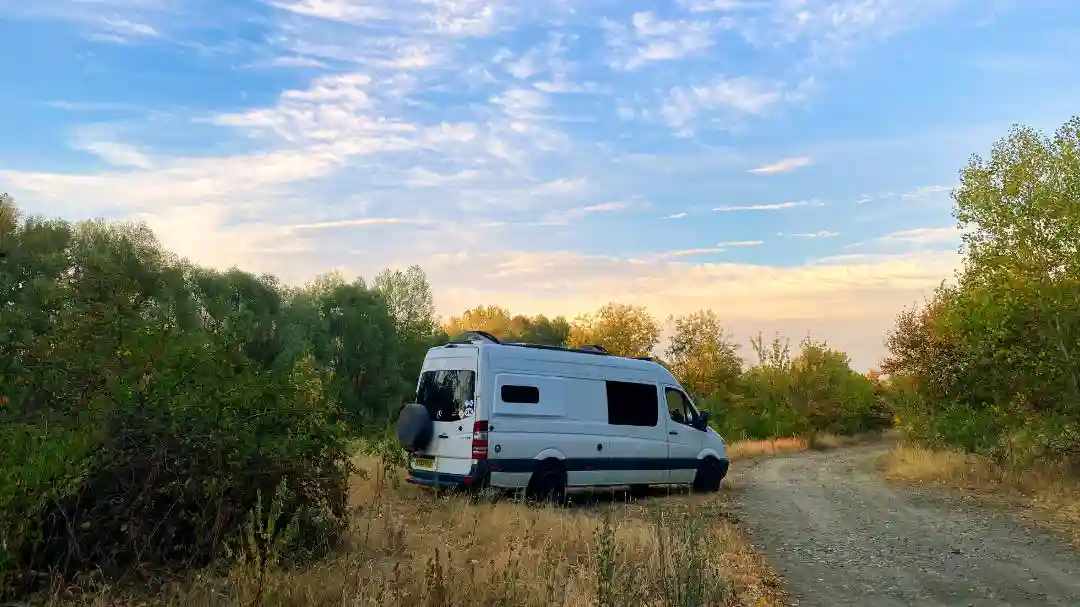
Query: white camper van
544,419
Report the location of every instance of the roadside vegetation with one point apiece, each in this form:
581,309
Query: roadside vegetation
159,419
988,370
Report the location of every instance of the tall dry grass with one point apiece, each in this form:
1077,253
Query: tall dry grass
409,547
821,441
1048,493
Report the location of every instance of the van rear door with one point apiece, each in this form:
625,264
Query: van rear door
447,389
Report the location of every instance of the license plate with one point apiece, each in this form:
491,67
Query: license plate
424,463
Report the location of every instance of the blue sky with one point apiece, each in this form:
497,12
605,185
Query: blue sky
786,163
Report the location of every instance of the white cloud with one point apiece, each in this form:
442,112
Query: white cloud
820,234
923,236
742,243
448,17
706,6
295,61
650,39
767,207
739,96
579,212
675,216
423,178
667,255
361,222
924,191
117,154
783,166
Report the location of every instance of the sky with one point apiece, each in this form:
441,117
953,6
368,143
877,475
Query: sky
785,163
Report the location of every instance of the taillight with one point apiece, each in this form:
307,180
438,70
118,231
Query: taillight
480,440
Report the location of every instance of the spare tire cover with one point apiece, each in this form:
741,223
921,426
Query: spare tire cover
414,427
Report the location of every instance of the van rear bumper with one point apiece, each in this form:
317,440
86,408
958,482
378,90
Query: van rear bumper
476,477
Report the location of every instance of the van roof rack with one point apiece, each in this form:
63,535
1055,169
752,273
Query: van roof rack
470,336
584,349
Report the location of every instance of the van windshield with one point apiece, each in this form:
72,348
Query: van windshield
447,395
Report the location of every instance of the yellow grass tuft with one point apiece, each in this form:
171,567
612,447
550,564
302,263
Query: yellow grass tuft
753,448
1047,493
409,547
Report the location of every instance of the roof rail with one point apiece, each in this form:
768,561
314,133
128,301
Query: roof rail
594,348
471,336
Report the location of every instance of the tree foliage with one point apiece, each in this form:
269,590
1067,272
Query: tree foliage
622,329
992,363
502,324
703,355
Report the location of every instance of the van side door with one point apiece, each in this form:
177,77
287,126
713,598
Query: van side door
637,440
684,440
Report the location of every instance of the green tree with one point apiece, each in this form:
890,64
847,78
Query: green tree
492,319
703,355
623,329
408,296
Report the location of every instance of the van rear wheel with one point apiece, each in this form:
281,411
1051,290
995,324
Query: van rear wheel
709,476
548,483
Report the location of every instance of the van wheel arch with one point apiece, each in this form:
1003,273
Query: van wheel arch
710,473
548,482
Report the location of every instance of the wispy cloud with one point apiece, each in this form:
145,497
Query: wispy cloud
684,253
740,96
783,166
675,216
923,236
925,191
741,243
579,212
117,154
361,222
768,207
649,39
821,234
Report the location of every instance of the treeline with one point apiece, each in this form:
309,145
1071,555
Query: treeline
991,363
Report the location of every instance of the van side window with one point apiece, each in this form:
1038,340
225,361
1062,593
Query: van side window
520,394
632,404
679,407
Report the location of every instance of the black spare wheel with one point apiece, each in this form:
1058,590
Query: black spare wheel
414,427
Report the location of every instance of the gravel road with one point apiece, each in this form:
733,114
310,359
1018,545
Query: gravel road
840,536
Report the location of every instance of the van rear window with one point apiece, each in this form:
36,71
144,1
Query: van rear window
632,404
447,395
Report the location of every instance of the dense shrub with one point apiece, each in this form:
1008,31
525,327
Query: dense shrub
146,406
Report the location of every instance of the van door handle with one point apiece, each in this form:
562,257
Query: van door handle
443,436
672,432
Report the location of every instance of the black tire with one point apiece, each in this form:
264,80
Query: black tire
414,427
548,483
710,474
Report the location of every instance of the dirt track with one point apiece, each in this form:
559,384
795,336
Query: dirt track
840,536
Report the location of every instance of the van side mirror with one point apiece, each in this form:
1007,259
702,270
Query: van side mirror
703,420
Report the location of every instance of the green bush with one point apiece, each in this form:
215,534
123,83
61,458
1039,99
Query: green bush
140,423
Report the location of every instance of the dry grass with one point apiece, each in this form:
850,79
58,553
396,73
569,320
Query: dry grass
823,441
411,548
754,448
1048,495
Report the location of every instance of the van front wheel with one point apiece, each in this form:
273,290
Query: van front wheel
548,483
709,476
